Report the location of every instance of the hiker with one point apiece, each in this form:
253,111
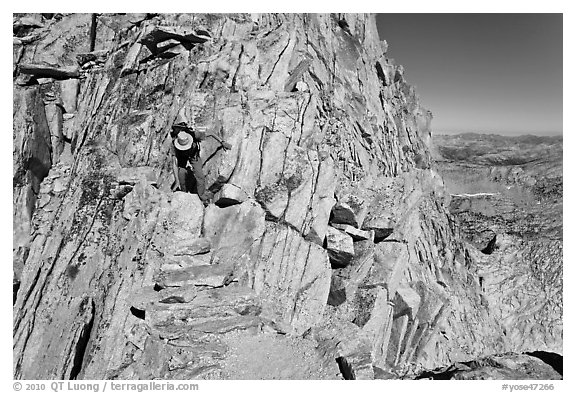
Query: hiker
187,164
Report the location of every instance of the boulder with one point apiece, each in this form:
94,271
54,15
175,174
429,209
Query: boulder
342,213
381,223
229,195
340,247
349,210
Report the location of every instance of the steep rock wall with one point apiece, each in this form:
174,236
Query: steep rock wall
328,240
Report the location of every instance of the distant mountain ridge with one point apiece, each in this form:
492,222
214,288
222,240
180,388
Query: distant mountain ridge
497,149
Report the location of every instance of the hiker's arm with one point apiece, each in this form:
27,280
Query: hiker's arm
225,145
209,134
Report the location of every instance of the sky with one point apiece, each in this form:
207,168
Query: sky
492,73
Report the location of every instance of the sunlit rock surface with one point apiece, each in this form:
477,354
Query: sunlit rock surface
117,276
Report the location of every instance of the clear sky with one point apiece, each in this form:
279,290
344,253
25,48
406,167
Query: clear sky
495,73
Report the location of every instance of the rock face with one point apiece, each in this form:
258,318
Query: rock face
116,276
510,367
507,198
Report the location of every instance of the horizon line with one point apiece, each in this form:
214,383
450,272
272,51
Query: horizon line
503,133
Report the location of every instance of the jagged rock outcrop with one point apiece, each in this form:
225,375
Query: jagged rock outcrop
506,366
117,276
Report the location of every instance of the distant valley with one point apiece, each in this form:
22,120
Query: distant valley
506,195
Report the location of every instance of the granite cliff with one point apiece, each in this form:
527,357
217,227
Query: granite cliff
327,250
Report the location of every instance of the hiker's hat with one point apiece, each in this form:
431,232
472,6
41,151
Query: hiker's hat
183,141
